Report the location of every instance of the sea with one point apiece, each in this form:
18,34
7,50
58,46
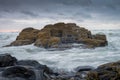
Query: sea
67,59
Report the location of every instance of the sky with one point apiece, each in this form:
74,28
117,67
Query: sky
91,14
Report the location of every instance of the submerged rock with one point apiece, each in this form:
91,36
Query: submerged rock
53,36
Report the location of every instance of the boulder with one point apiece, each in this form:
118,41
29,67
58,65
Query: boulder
35,64
7,60
109,71
18,71
55,35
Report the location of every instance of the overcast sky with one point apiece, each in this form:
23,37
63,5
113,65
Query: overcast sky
92,14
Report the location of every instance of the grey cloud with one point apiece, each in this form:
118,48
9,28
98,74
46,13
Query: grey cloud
78,10
31,14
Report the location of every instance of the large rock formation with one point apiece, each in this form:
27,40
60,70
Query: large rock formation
58,34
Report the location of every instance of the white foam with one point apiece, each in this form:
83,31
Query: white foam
65,59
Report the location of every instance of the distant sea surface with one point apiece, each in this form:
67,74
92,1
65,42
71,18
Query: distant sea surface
65,59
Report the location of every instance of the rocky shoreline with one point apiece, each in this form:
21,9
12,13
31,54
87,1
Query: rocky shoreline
13,69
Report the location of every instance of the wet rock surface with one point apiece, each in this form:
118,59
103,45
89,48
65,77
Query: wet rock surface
32,70
7,60
55,35
109,71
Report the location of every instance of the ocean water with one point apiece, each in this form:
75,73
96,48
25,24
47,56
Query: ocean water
65,59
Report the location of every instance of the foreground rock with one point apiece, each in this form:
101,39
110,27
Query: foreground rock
7,60
109,71
32,70
53,36
12,69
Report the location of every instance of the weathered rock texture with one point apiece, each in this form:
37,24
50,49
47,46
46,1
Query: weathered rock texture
109,71
58,34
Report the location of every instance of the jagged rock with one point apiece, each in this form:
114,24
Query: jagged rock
53,36
7,60
109,71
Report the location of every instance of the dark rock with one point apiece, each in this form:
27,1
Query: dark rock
23,73
34,64
7,60
16,78
109,71
19,71
81,71
84,68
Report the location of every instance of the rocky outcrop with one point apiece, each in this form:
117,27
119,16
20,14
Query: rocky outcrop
53,36
12,69
26,36
109,71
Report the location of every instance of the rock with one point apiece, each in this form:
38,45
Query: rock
99,37
16,78
35,65
81,71
55,35
7,60
94,42
26,36
20,42
18,71
109,71
84,68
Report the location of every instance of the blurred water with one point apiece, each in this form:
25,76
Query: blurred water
66,59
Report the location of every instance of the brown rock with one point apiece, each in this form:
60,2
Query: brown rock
94,42
109,71
21,42
99,37
59,34
26,36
